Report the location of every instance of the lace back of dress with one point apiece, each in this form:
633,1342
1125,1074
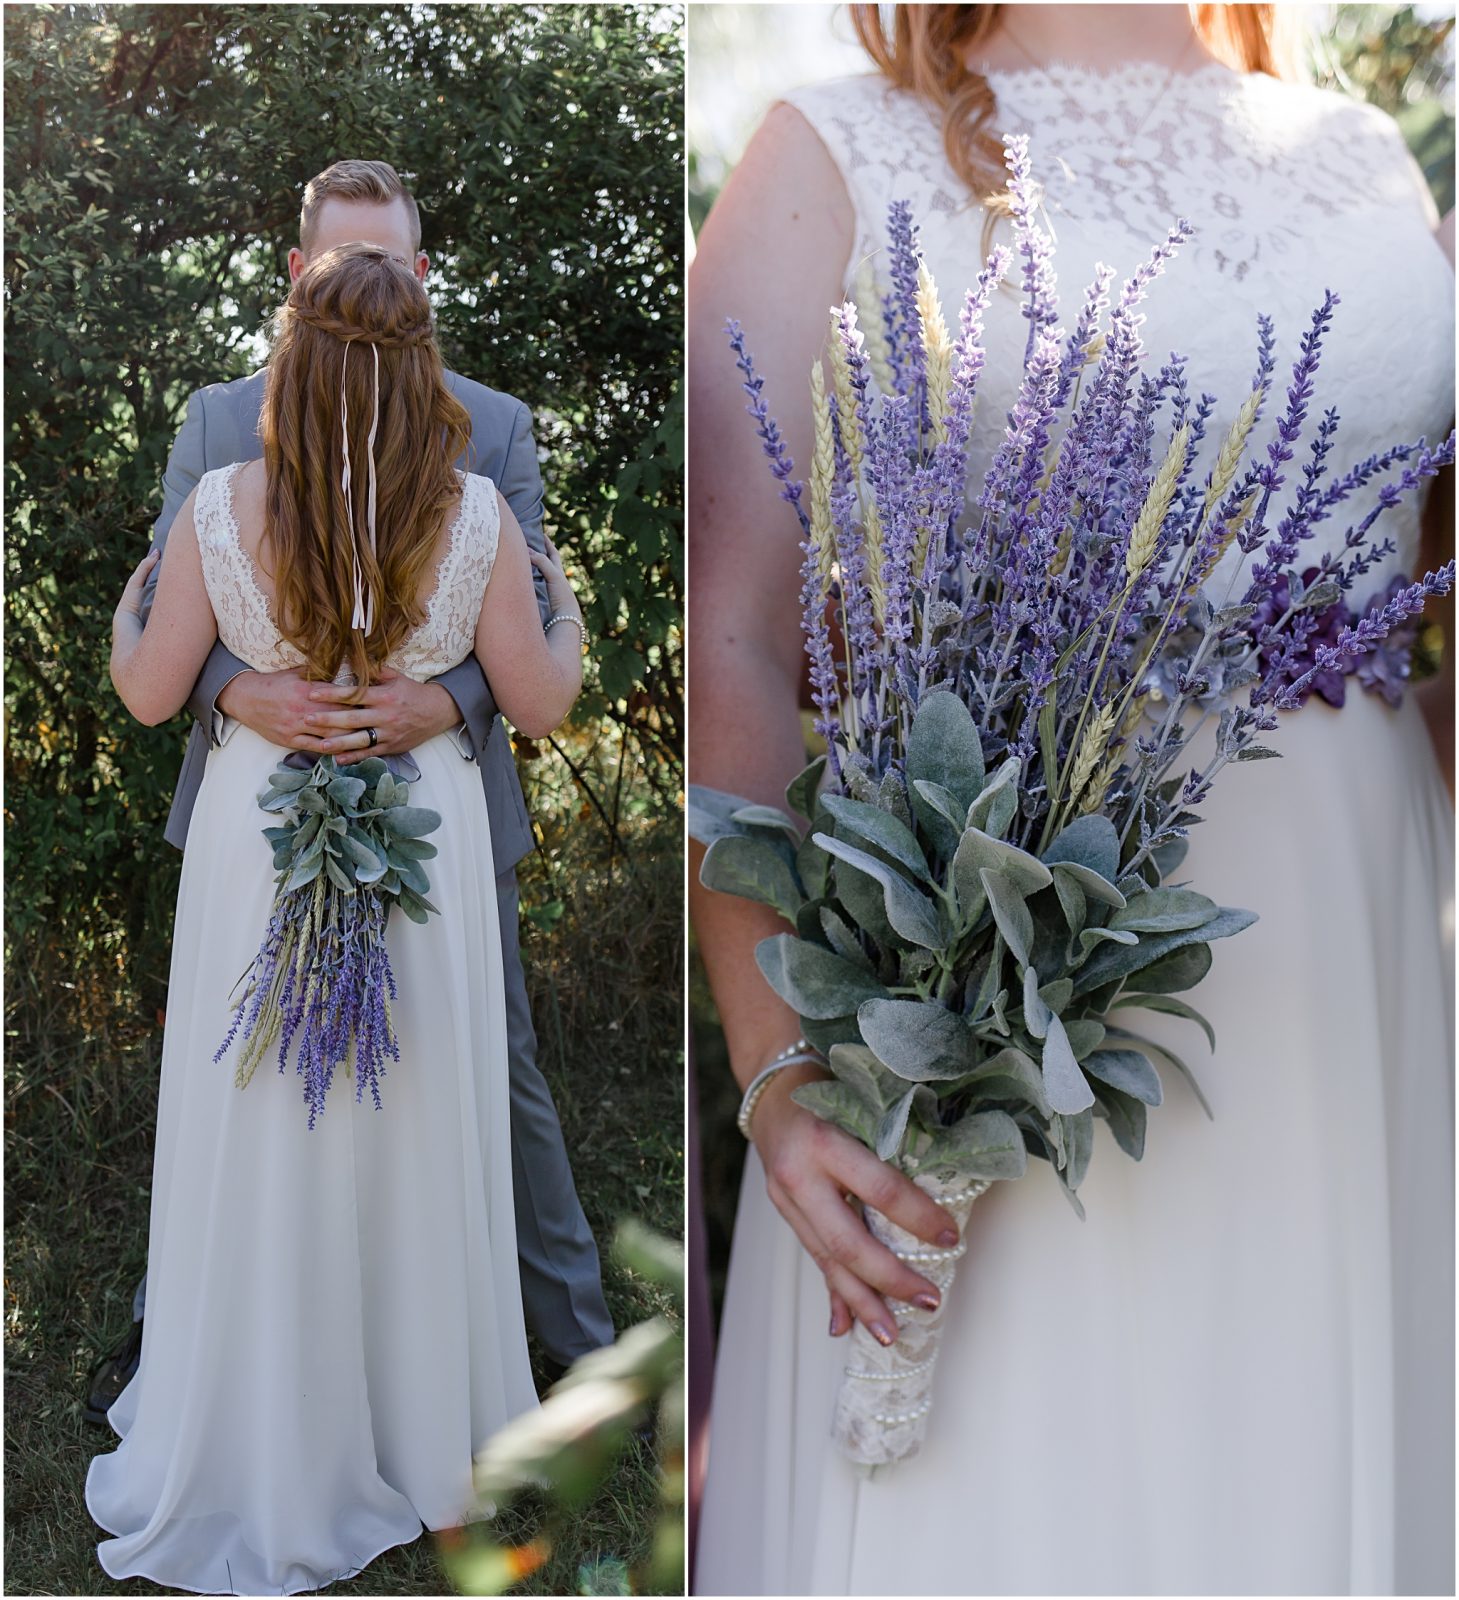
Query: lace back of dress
246,624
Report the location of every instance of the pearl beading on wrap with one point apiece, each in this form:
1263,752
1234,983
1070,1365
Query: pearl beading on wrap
885,1395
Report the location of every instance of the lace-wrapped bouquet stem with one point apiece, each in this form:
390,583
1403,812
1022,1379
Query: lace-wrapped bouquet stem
348,847
1013,685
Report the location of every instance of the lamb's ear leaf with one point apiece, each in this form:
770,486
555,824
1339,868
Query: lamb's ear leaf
1091,938
1036,1011
856,1067
1127,1117
753,869
800,793
413,849
1118,962
755,816
1094,886
813,865
940,815
1125,1070
864,901
1165,911
1168,856
1071,899
997,805
1078,1132
892,1128
709,813
814,981
1168,1004
411,822
1014,1069
1085,1034
1010,912
840,1106
944,747
1089,842
346,792
871,825
841,937
1166,1054
910,913
919,1040
1056,995
287,780
986,1144
371,769
1065,1085
1024,871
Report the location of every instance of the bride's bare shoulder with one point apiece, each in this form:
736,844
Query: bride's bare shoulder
784,214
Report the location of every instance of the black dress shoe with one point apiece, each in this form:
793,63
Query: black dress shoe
111,1375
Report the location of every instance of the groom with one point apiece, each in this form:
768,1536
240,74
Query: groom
562,1291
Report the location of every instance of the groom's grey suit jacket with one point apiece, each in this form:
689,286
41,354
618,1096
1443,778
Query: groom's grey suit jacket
221,427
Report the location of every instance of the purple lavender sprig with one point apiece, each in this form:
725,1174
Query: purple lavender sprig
321,986
771,441
1404,603
1067,607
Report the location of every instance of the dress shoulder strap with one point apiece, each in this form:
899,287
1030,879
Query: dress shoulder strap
887,145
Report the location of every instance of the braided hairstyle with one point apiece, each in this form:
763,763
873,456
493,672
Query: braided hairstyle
358,295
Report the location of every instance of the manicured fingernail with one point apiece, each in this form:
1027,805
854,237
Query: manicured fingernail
927,1300
835,1331
883,1334
947,1238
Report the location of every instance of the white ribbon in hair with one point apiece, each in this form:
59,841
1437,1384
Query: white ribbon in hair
364,612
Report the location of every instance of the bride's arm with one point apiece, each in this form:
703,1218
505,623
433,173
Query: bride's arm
772,256
535,675
154,669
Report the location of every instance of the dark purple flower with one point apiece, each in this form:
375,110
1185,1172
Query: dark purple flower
1385,668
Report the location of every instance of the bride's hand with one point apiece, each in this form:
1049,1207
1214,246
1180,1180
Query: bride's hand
811,1168
561,595
130,603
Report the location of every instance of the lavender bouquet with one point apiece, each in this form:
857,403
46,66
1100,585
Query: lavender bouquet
1007,686
348,847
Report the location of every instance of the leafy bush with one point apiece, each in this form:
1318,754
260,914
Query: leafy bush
154,161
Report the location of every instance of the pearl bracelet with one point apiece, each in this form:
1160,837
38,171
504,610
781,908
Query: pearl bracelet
792,1056
567,616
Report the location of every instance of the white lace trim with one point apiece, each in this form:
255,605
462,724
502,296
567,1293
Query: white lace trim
246,625
448,633
1292,190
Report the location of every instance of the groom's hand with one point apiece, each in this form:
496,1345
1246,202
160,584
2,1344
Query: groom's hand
402,712
274,704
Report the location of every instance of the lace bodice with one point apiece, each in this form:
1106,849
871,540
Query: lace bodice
246,625
1291,189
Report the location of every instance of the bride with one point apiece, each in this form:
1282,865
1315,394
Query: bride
334,1318
1236,1377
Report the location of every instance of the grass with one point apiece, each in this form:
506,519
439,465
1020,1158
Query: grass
603,954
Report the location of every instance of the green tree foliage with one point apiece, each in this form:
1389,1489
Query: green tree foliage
154,161
1401,59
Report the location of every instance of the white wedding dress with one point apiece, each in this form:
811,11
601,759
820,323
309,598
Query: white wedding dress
1237,1376
334,1318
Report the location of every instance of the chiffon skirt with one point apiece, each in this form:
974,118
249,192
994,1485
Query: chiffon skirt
1237,1375
334,1319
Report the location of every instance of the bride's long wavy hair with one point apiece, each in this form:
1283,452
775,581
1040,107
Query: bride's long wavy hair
924,48
344,302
